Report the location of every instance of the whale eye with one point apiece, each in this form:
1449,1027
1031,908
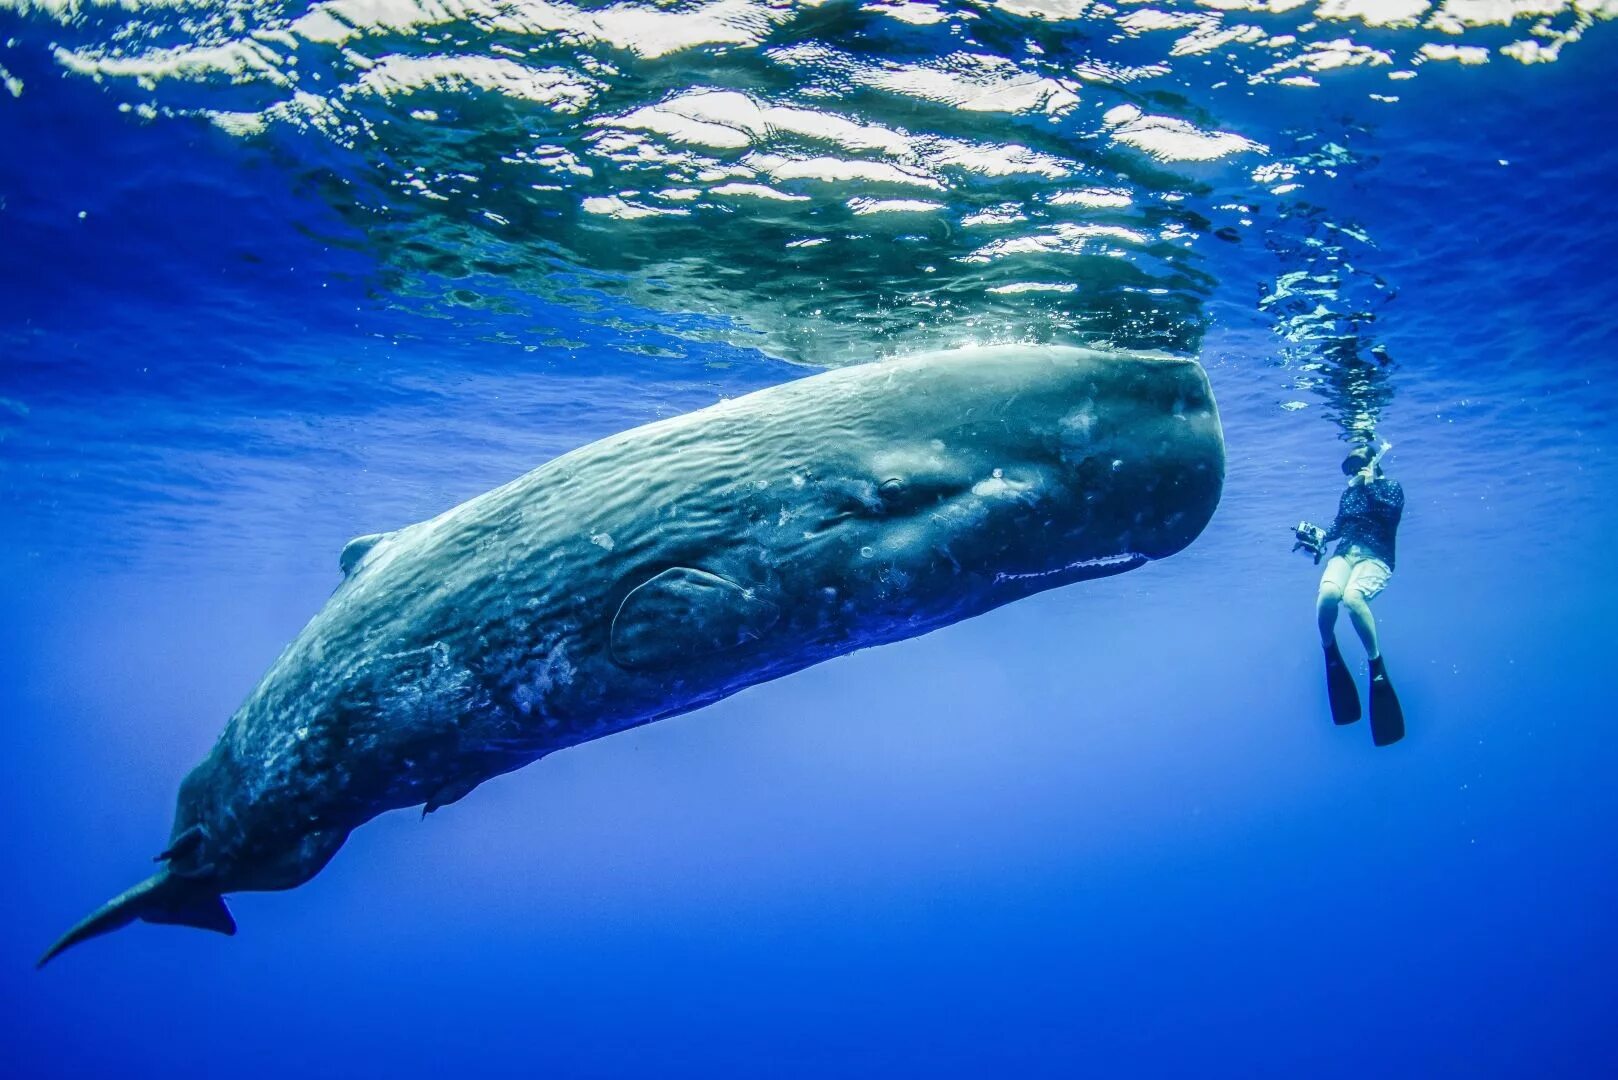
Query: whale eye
914,492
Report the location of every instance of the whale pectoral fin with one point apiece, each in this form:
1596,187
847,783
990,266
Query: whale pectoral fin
356,549
684,614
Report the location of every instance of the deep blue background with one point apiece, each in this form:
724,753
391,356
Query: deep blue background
1108,831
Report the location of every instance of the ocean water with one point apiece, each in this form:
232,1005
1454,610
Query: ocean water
276,275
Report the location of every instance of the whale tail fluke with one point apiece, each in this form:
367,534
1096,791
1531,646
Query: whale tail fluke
161,898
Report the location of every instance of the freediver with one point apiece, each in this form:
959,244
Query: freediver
1367,521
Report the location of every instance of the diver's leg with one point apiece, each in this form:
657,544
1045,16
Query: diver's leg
1359,613
1332,580
1367,578
1387,715
1340,691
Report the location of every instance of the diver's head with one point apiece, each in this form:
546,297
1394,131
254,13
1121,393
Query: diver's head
1357,459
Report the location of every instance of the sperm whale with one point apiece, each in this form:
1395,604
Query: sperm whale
674,564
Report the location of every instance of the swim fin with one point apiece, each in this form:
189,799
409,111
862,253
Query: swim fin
1387,715
1345,700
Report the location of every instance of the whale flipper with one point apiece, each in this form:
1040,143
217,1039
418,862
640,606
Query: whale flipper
683,614
356,549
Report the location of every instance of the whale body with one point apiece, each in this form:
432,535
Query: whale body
664,568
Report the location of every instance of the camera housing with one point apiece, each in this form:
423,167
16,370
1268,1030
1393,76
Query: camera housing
1310,538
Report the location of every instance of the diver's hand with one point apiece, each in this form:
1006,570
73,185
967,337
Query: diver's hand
1310,538
1367,474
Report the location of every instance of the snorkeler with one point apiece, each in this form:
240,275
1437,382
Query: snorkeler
1367,520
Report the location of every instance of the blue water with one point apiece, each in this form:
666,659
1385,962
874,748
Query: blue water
1105,831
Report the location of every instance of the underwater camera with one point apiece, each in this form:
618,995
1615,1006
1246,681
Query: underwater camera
1310,538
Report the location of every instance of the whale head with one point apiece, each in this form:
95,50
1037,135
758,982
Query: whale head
880,502
963,480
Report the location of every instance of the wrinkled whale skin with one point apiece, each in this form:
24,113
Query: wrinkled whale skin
664,568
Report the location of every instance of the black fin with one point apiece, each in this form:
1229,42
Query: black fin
1345,699
1387,715
454,791
183,855
183,845
161,898
355,550
204,913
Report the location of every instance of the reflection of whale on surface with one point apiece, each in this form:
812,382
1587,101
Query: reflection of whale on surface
667,567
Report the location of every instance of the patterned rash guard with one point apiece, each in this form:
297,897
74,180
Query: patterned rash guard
1367,519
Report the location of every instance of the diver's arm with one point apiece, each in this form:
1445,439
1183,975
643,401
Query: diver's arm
1334,530
1367,474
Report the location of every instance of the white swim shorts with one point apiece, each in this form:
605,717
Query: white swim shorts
1355,571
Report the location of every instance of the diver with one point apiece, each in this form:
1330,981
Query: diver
1367,520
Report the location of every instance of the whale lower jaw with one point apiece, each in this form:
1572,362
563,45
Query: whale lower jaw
1106,564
